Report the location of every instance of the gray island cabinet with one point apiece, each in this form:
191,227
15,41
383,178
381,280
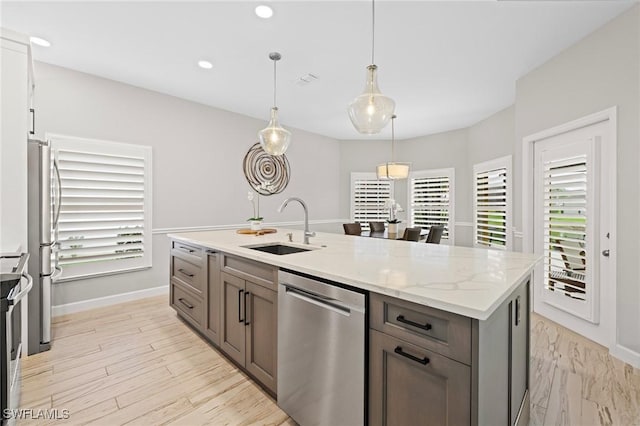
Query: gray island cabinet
440,363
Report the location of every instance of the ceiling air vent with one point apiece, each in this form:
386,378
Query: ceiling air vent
306,79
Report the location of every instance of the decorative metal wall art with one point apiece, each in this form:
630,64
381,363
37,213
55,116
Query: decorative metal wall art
267,174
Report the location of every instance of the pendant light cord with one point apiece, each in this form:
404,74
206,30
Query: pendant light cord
373,30
274,84
393,139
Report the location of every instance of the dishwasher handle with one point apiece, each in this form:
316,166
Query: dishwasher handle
320,301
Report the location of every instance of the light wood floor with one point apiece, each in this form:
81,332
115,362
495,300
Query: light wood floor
137,363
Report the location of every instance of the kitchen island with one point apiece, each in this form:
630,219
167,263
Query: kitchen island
448,328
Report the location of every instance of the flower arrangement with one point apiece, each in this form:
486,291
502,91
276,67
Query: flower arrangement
255,201
393,208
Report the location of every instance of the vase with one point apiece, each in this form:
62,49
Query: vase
256,225
393,228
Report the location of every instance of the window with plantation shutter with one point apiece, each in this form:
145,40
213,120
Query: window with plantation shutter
368,196
492,204
431,200
105,210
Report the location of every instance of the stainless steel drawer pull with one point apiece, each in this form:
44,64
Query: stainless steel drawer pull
185,272
185,303
399,351
187,249
402,319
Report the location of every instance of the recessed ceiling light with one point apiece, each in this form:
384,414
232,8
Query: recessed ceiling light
264,11
40,41
205,64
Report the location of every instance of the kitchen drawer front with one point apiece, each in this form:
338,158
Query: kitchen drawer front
188,273
187,251
187,303
409,384
439,331
256,272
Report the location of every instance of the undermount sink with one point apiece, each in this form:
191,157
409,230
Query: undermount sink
278,249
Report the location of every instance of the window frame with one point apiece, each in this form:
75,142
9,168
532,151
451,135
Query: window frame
506,163
356,176
448,172
104,147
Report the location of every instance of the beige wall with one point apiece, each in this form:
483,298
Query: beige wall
599,72
197,162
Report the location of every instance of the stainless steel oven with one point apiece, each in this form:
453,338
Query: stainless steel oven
15,284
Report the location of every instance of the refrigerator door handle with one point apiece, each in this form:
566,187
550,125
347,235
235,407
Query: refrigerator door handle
59,195
45,336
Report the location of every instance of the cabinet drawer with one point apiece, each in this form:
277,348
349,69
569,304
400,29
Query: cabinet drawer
409,384
188,273
187,303
186,251
442,332
259,273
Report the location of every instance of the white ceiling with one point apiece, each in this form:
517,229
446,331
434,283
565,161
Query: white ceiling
447,64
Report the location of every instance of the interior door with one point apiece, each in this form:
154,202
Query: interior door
571,230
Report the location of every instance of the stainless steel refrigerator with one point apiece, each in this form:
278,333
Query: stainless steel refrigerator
43,210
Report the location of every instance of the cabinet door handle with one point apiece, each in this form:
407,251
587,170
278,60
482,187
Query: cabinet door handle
246,321
187,249
240,319
518,309
423,361
185,272
185,303
401,318
33,121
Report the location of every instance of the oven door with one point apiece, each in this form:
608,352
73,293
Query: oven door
14,344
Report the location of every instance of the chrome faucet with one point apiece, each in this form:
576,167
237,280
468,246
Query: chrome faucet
307,234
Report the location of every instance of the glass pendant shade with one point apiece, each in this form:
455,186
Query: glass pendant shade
274,139
371,111
393,171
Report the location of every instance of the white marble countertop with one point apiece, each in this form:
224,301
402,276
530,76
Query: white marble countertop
462,280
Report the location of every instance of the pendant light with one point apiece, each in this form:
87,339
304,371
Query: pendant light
370,112
393,170
274,139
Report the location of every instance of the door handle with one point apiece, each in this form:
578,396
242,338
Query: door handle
240,319
606,253
425,326
518,309
185,303
246,321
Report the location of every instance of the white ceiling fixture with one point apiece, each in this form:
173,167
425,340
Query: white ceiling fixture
392,170
205,64
450,65
40,41
263,11
370,112
274,138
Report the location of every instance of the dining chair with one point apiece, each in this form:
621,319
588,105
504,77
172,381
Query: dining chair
376,226
412,234
352,228
435,234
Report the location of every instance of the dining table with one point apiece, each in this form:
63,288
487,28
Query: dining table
391,235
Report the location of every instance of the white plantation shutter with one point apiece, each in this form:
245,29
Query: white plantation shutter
431,200
492,204
368,195
565,225
105,209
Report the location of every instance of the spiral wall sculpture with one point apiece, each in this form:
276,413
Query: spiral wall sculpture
266,174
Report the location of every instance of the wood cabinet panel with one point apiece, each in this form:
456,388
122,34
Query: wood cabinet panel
187,303
261,334
256,272
232,336
410,385
188,273
443,332
213,303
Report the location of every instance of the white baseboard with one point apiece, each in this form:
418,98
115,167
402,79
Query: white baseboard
625,354
100,302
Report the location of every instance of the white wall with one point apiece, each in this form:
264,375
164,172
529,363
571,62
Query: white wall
197,162
599,72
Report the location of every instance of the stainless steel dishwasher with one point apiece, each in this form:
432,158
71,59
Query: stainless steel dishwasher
321,352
